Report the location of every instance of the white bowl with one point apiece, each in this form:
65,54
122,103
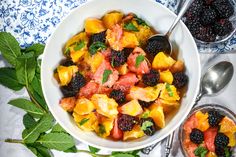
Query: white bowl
157,16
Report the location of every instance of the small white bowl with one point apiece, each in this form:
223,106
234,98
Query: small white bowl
157,16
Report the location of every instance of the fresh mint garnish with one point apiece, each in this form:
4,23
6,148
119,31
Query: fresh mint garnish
79,46
130,27
139,60
83,121
96,46
169,90
105,76
200,151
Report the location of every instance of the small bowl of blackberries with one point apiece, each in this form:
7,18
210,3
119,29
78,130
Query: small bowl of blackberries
211,21
209,131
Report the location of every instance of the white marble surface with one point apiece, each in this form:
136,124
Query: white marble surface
11,118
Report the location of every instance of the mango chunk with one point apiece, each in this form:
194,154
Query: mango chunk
167,105
166,76
169,93
93,26
112,18
232,140
162,61
202,118
157,114
76,39
65,74
94,61
143,34
131,108
83,106
104,127
136,132
123,69
85,122
227,125
129,40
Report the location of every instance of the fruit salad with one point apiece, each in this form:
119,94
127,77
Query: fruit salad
115,81
209,134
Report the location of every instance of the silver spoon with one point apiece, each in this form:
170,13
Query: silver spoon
214,80
163,39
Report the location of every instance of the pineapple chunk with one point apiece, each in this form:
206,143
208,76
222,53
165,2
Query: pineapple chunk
157,114
104,105
129,40
162,61
85,122
136,132
131,108
169,93
166,76
93,25
112,18
65,74
83,106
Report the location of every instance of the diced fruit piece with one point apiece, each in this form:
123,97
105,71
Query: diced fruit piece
85,122
191,123
232,140
167,105
83,106
76,39
209,138
125,82
145,94
136,132
104,105
123,69
196,136
68,104
89,89
104,127
65,74
178,66
143,34
170,93
166,76
162,61
114,37
94,61
93,25
112,18
211,154
76,55
116,133
190,148
202,118
157,114
227,126
129,40
131,108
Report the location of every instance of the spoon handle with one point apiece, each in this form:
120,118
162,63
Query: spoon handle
181,13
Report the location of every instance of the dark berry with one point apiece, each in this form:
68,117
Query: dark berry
224,8
214,117
221,140
207,16
180,79
151,78
145,104
126,122
221,151
195,9
117,58
156,45
67,62
127,51
208,2
148,126
222,27
98,37
74,86
196,136
118,95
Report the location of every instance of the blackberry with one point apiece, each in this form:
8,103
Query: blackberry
145,104
151,78
117,58
98,37
148,126
224,8
208,16
180,79
127,51
67,62
222,27
221,151
74,86
195,9
118,95
221,140
214,118
156,45
126,122
206,34
196,136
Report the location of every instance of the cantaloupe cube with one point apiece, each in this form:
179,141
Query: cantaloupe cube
166,76
162,61
93,25
111,19
132,108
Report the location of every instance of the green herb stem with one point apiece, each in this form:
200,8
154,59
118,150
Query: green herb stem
14,141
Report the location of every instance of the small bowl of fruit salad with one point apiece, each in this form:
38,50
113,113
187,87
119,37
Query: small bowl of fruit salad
209,131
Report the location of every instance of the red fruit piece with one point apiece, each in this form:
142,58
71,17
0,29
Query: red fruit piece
89,89
209,138
116,133
125,82
190,124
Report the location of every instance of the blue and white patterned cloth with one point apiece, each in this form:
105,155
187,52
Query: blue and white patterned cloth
33,21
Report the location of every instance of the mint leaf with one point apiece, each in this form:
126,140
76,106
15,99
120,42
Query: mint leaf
36,48
93,149
83,121
79,45
39,150
146,114
105,76
28,106
9,80
36,85
101,129
200,151
9,47
170,92
58,128
67,51
28,121
25,68
139,60
58,141
140,21
228,153
146,125
130,27
96,46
